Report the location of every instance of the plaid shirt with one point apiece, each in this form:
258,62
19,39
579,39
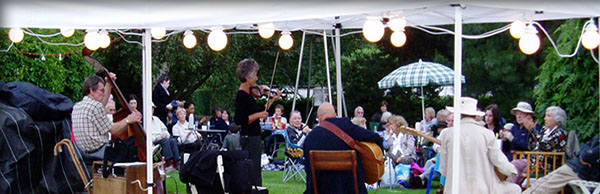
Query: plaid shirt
90,124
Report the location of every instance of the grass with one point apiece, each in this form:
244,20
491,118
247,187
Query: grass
273,181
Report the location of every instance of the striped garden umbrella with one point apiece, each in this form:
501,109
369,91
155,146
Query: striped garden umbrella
419,74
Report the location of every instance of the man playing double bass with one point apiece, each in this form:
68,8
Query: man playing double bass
322,139
90,123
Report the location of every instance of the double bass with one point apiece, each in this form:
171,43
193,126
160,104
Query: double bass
134,129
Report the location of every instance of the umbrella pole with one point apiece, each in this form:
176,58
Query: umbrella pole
422,103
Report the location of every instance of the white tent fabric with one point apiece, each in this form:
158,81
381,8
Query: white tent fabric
287,15
291,15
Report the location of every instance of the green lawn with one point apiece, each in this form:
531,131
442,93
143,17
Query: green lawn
273,181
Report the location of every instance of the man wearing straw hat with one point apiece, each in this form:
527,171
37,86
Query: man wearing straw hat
478,156
521,133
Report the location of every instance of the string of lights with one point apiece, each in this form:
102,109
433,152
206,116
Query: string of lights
373,30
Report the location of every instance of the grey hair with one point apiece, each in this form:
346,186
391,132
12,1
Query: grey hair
91,82
356,109
295,112
245,68
560,116
431,111
442,114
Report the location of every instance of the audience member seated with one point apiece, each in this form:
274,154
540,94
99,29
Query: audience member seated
189,139
428,121
110,110
224,122
279,123
441,123
521,133
382,109
358,112
190,108
384,119
585,166
216,116
402,145
296,132
161,136
360,121
133,102
552,138
232,140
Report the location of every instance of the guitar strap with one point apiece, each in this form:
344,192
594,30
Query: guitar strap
348,140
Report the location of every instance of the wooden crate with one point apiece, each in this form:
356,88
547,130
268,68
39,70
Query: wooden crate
122,183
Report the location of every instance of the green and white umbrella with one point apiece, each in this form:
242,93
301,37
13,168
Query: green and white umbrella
419,74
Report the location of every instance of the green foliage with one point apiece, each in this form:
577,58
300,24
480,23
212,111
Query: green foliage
570,83
59,76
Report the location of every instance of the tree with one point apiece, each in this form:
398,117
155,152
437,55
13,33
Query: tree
570,83
64,75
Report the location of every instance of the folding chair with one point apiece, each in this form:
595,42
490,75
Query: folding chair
340,160
293,161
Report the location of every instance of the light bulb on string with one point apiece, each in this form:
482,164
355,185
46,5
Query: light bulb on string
15,34
517,28
43,57
59,56
67,32
104,39
285,40
398,38
373,29
189,40
590,38
529,42
266,30
217,39
91,39
397,24
158,32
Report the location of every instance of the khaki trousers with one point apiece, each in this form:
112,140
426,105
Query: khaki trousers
553,182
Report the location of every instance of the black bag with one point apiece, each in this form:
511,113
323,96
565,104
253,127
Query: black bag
121,150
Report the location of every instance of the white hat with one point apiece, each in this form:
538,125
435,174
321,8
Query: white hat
153,104
523,107
508,126
468,106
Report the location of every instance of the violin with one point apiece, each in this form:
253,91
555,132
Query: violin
258,91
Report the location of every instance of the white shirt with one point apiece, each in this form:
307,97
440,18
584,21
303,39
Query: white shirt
158,128
186,135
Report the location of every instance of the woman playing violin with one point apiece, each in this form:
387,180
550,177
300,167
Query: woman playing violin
248,113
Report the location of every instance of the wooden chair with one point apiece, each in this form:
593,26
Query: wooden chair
558,159
341,160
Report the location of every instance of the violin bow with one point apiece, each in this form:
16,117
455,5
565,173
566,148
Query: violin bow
272,77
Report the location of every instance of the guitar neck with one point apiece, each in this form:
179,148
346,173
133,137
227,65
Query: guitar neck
418,133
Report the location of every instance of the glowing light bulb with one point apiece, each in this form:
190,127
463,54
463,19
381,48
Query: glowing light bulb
91,39
285,40
397,24
266,30
217,39
398,38
590,38
15,34
67,32
529,42
517,28
158,33
103,39
189,40
373,29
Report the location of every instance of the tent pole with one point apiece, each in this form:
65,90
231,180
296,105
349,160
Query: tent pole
422,104
327,66
338,69
147,95
298,72
457,95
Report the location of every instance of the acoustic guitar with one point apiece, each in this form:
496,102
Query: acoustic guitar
413,131
370,154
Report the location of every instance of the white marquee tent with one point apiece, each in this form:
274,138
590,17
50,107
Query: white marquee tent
286,15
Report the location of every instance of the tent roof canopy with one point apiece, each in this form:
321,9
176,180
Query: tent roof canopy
287,15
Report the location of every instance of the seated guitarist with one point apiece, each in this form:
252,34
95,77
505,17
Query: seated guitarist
90,123
322,139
